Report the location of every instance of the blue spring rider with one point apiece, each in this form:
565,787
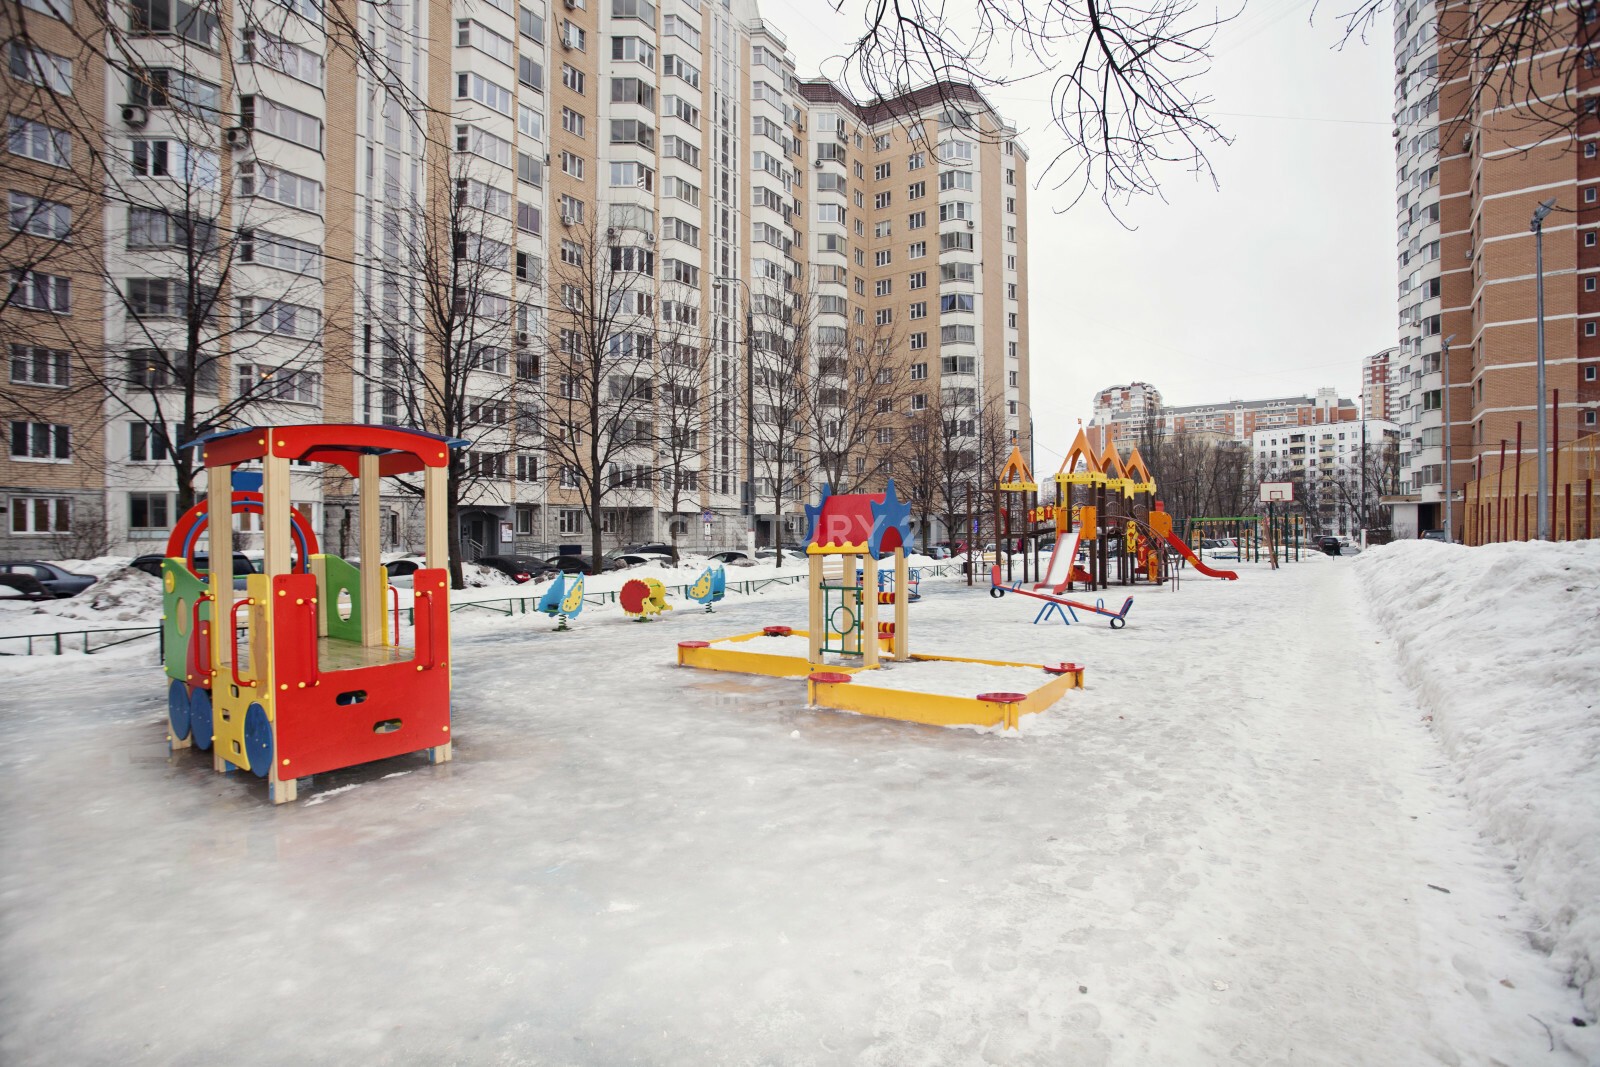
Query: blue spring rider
710,587
563,600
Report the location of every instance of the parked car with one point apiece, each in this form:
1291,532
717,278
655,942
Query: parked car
23,587
581,564
404,567
1433,535
770,555
151,564
518,568
645,548
636,559
55,581
737,557
939,551
1329,545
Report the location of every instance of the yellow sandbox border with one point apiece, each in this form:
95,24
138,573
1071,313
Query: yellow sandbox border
931,709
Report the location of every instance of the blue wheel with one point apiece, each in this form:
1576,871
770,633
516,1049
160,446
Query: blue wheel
200,723
178,709
258,740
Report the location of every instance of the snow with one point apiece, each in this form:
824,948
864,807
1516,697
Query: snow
1503,645
954,678
1241,842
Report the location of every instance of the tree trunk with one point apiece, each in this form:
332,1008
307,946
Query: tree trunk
452,519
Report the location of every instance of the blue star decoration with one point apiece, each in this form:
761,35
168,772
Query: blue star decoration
814,513
893,515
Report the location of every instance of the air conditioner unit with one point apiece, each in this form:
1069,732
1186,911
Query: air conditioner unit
817,164
522,337
237,137
572,5
970,224
649,238
611,231
1466,141
135,115
568,220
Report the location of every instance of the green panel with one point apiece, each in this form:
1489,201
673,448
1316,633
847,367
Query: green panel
341,577
179,586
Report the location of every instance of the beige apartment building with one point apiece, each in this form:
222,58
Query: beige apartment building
1473,163
287,212
1123,414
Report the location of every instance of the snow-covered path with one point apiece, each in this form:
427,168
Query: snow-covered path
1222,851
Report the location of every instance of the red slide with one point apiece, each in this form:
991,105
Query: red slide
1188,553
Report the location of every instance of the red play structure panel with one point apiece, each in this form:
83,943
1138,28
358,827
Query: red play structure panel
776,631
1062,668
1004,698
830,677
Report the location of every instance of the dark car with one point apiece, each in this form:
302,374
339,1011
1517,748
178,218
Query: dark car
581,564
1433,535
54,580
151,564
1329,545
645,548
518,568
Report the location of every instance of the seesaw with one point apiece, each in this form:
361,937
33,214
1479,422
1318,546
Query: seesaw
1118,619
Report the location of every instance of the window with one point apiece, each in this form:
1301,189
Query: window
258,113
42,292
1011,290
882,257
955,210
530,72
959,365
673,26
1588,285
41,440
476,87
36,365
285,253
473,34
955,335
40,514
147,443
881,200
951,302
960,241
569,520
860,171
633,50
884,316
918,342
632,131
636,175
483,143
1589,195
955,179
276,316
918,250
280,186
1588,329
572,78
35,140
530,123
530,169
1011,262
527,471
1589,374
1588,239
916,161
573,36
678,67
917,220
165,87
1011,176
880,172
955,151
880,229
148,511
173,16
41,68
573,165
1011,205
40,217
882,287
530,24
56,9
530,219
678,148
302,64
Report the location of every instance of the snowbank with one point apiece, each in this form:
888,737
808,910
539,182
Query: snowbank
1502,643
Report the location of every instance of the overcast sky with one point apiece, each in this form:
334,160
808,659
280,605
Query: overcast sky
1276,283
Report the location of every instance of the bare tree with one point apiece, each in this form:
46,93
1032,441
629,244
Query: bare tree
603,361
451,347
681,409
1123,93
855,418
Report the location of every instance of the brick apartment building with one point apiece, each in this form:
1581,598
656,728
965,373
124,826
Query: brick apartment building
258,200
1122,413
1472,164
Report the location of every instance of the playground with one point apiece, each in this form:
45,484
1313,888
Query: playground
1239,842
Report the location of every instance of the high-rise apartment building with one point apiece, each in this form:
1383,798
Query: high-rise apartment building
443,215
1376,388
1475,154
1123,413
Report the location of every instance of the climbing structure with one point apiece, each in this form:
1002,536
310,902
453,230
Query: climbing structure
848,535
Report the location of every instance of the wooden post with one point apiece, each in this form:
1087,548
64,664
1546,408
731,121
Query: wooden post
869,610
1555,455
1516,488
818,628
435,535
970,536
1588,507
275,539
1566,526
1500,494
219,534
372,605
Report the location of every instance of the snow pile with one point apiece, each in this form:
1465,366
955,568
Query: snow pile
1502,643
123,595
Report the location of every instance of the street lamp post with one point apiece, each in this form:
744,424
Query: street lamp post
1449,482
749,409
1537,226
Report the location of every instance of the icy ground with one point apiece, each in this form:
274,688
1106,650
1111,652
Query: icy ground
1241,843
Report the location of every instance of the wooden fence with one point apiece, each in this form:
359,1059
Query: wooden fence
1502,506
